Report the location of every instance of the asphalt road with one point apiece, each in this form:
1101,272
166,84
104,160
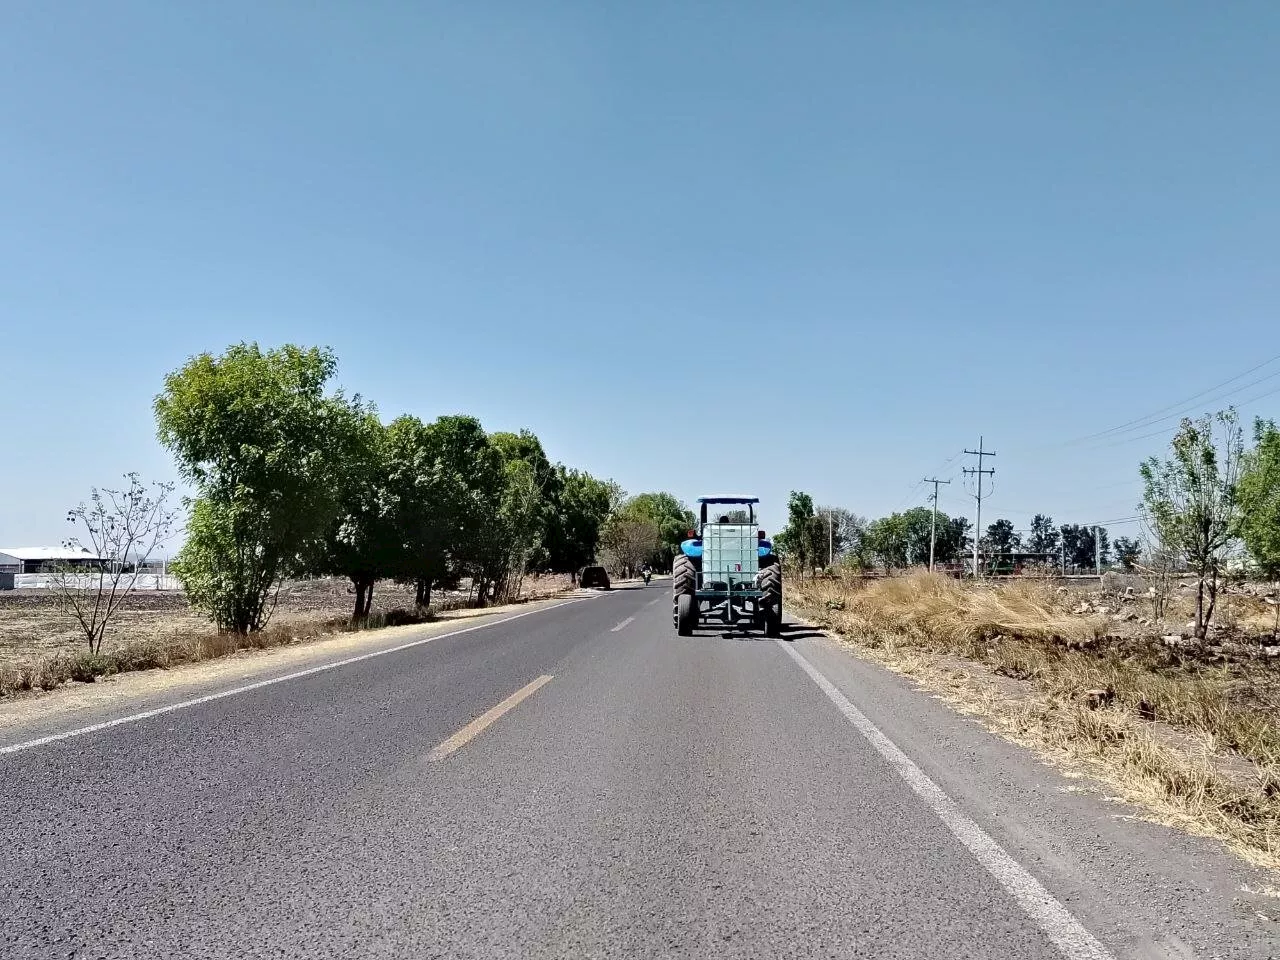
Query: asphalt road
579,782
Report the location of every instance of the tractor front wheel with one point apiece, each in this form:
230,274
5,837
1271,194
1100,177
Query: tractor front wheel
771,586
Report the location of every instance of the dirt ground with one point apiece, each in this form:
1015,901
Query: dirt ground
35,625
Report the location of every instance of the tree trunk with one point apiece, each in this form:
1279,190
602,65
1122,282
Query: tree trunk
422,595
1213,602
368,600
1200,608
361,589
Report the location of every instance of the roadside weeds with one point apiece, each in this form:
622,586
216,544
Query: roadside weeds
1179,741
69,668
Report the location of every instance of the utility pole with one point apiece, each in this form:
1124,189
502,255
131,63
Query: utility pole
978,472
933,524
1097,551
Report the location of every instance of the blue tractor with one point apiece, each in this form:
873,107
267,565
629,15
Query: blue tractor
727,572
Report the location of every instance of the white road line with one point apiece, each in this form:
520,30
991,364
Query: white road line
655,600
246,688
625,623
1072,939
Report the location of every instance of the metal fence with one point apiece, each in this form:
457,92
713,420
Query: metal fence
48,581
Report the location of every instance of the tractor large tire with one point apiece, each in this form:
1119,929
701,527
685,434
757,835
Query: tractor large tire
771,585
684,583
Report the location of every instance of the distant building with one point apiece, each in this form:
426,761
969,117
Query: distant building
45,559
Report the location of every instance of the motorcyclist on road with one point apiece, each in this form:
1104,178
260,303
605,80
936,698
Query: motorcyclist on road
646,572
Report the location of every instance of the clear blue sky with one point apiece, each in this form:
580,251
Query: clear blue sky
698,247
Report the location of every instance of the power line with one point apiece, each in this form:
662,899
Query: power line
1147,420
1119,522
907,499
1164,431
920,483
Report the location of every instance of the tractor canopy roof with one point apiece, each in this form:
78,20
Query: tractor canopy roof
728,499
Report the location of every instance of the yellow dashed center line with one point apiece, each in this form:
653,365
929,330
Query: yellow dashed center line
487,719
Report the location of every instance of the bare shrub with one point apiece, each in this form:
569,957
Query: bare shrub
124,528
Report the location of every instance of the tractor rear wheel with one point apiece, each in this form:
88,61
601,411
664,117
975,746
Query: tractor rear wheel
684,583
771,586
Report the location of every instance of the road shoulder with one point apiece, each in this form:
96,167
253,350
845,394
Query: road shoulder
1148,889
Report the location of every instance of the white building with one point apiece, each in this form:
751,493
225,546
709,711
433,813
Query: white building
43,559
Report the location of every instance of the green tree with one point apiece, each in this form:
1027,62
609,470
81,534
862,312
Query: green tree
1260,500
581,505
847,530
446,481
1080,544
1193,501
805,537
673,519
902,539
954,541
887,541
511,532
1001,538
1044,537
1127,551
365,542
629,539
538,492
268,452
917,522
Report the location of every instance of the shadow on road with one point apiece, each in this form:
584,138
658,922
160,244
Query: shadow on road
800,631
790,632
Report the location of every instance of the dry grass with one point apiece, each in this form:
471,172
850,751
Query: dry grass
51,672
939,610
1176,733
41,649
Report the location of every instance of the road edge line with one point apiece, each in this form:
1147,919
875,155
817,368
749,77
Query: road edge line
1066,932
271,681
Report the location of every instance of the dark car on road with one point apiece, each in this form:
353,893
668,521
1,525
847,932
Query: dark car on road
594,577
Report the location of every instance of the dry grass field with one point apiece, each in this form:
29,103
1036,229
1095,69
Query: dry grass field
41,646
1093,678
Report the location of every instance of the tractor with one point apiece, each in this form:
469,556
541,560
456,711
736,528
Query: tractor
726,571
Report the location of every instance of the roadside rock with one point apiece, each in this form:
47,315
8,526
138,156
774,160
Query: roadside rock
1100,697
